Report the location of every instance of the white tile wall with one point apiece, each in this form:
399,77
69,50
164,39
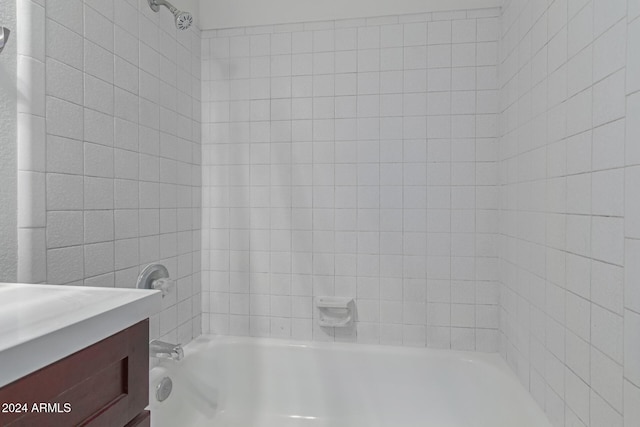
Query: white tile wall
468,177
568,207
353,158
114,178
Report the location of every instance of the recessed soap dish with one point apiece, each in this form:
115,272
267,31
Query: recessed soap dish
335,312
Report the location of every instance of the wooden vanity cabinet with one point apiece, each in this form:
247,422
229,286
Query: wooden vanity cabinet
104,385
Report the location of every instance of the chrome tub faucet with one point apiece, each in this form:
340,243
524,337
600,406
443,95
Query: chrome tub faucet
165,350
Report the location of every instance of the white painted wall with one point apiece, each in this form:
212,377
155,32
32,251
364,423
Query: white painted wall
240,13
8,156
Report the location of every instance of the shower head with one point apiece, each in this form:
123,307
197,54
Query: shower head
183,19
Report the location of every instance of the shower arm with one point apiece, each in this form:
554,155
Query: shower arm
155,6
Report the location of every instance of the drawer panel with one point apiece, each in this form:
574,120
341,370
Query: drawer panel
142,420
104,385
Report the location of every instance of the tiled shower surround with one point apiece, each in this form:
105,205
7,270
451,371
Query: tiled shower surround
353,158
470,178
109,150
570,206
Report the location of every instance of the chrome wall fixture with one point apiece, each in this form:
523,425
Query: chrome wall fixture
155,276
163,389
183,19
4,37
164,350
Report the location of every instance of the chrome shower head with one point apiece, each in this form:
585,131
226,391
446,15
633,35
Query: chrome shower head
183,19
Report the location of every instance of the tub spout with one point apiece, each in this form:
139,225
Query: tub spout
165,350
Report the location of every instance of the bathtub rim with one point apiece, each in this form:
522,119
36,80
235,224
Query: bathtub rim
492,362
207,341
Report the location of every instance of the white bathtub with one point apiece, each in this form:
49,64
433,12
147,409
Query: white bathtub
249,382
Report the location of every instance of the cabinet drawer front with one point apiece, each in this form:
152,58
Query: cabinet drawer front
142,420
104,385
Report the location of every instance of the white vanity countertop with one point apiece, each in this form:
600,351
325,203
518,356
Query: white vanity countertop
41,324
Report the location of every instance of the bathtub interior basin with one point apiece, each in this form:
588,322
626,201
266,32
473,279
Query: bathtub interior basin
249,382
